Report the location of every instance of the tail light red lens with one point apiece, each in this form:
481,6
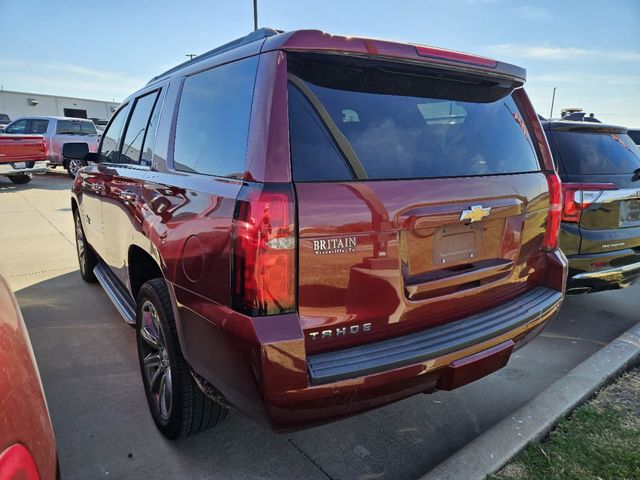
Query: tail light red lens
579,196
17,463
264,251
550,241
45,142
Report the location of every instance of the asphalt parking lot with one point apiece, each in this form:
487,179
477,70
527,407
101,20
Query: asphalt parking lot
87,360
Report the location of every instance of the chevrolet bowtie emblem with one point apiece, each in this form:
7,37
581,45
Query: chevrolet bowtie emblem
475,213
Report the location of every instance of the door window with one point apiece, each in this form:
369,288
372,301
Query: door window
18,127
39,126
111,137
137,128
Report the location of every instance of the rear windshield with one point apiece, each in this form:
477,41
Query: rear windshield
354,122
589,153
76,127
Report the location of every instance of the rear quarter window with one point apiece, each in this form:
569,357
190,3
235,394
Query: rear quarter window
213,120
589,153
396,126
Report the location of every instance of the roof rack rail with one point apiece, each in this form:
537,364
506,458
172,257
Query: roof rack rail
259,34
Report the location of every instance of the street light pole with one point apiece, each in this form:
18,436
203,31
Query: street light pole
553,99
255,15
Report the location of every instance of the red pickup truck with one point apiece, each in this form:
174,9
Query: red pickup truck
22,155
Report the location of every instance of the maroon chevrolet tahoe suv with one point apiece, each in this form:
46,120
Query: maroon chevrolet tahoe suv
305,226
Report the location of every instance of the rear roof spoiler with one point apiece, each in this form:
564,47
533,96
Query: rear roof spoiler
563,125
317,41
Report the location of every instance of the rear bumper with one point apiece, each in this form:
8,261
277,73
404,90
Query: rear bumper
262,368
435,342
38,167
603,271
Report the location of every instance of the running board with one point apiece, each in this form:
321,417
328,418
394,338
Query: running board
116,292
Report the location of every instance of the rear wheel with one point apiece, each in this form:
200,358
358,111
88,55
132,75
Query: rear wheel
73,165
87,258
20,179
178,406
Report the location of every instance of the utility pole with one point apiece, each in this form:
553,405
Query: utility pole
255,15
191,55
553,99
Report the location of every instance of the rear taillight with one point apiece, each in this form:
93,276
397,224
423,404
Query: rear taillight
550,241
264,250
17,463
45,143
577,197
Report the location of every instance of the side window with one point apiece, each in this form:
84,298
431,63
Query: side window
213,119
88,128
111,137
17,127
149,136
137,128
68,127
39,126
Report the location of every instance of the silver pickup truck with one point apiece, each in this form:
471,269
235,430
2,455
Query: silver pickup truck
57,131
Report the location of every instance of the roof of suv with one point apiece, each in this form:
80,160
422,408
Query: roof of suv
269,39
564,125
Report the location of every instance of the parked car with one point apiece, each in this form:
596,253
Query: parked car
600,170
27,443
634,133
4,120
306,226
57,131
21,156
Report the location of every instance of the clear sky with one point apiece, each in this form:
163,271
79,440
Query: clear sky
106,49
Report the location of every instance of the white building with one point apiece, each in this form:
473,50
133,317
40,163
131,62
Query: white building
22,104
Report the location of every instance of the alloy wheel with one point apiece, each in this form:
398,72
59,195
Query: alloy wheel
74,166
80,245
156,364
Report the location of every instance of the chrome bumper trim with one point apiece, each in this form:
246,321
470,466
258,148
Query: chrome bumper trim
609,273
7,169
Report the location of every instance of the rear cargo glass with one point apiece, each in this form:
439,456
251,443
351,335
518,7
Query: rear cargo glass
363,120
589,153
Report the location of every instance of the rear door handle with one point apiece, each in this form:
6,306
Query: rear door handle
128,196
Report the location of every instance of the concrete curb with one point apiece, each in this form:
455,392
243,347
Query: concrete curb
493,449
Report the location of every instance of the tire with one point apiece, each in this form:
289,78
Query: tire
73,165
178,406
87,258
20,179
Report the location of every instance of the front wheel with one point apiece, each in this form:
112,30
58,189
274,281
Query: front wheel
178,406
87,259
20,179
73,165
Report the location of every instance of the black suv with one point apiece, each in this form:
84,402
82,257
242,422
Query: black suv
600,170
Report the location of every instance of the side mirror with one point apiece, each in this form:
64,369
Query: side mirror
79,151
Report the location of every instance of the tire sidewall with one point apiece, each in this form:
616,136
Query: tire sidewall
171,426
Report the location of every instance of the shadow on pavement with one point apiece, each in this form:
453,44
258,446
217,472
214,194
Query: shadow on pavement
49,181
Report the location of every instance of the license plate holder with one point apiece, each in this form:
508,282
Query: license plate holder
457,243
20,165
